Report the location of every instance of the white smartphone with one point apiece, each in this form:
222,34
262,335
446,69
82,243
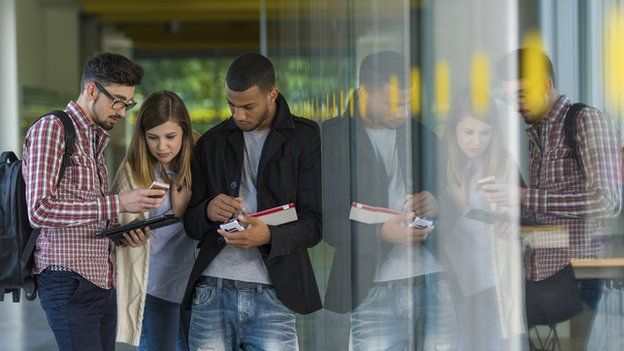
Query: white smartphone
233,226
159,186
485,181
420,223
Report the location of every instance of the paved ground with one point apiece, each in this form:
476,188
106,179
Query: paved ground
23,327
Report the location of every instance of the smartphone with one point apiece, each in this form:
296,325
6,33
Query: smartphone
233,226
420,223
487,180
159,186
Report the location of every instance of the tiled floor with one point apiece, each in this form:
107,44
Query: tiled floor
23,327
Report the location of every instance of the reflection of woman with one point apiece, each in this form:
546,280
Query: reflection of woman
151,278
483,257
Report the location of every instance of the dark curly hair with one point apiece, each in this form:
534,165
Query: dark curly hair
250,70
108,68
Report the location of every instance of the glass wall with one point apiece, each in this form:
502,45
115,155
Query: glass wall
423,113
417,116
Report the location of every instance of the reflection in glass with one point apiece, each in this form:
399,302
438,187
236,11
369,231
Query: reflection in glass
386,274
480,242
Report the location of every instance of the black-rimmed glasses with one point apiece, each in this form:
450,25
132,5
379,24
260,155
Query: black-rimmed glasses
117,104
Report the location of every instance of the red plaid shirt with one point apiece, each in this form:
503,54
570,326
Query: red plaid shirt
560,195
69,214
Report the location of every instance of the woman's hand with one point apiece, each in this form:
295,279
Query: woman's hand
459,196
135,238
180,198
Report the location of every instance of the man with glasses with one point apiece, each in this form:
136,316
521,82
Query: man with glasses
574,184
74,270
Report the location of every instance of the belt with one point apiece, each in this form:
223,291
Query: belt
55,268
398,283
230,283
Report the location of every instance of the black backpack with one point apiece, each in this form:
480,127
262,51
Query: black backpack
17,237
569,129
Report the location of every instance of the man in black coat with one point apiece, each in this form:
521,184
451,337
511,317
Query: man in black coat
386,274
253,280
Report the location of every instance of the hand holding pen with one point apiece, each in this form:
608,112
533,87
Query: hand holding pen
423,204
223,208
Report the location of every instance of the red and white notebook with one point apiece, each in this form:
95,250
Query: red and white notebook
370,214
277,215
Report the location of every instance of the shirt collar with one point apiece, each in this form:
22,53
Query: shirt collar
81,119
558,109
555,114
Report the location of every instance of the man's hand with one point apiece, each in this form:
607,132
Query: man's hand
256,234
136,238
423,204
395,231
223,207
141,200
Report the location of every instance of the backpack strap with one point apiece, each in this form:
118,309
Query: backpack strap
70,139
8,157
569,130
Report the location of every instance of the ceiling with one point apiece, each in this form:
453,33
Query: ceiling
217,25
179,25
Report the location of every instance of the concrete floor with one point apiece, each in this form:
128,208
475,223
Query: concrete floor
23,327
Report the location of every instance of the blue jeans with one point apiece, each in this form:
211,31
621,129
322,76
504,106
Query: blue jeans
225,319
415,314
479,322
162,329
82,316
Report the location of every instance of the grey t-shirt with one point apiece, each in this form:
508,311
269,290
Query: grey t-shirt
402,261
233,262
172,255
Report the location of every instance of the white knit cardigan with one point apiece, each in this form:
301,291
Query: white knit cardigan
132,271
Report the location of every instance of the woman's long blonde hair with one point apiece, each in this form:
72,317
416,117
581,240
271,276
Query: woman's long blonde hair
159,108
494,156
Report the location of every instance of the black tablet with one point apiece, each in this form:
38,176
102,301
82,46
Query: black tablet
153,222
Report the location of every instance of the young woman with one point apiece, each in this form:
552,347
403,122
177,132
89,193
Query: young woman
151,278
481,253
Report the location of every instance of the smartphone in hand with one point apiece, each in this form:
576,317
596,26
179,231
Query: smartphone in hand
159,186
486,181
233,226
420,223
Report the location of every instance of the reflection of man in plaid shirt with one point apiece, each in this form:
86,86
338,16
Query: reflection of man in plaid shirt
560,193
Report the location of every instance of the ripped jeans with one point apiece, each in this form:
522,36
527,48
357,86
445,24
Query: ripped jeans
408,314
228,319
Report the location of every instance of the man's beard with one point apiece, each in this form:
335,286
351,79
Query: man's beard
262,119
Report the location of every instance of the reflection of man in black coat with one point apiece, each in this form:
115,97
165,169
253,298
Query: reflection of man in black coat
375,155
259,158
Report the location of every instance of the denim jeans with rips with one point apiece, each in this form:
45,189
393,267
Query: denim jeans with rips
227,319
409,314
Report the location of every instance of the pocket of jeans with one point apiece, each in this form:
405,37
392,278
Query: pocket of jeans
443,290
58,287
203,295
374,294
271,297
75,295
